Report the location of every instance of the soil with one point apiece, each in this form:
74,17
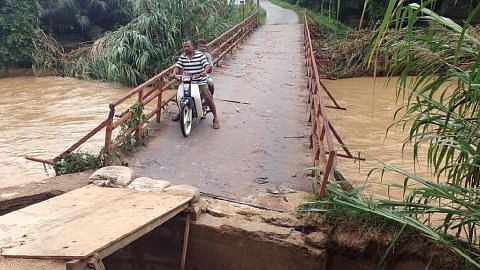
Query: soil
16,72
366,246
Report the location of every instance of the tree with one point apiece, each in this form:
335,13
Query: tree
85,18
17,30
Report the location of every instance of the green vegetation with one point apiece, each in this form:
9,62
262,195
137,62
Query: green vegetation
149,43
16,32
441,112
83,20
122,41
137,118
443,101
76,162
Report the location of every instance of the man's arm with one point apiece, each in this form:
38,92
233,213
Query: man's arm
205,65
206,70
178,67
175,70
210,62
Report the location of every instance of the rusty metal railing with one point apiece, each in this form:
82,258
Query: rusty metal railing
152,90
323,134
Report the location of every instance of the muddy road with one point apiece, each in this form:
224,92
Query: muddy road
260,146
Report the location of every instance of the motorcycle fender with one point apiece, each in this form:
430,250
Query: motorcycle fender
187,101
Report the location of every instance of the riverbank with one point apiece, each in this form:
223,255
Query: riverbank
16,72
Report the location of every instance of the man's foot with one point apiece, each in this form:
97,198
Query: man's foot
176,117
216,124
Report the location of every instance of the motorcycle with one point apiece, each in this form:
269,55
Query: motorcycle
190,103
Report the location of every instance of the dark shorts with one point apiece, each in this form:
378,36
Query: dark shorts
204,91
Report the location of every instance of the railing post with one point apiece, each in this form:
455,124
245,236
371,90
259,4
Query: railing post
108,135
139,126
326,173
159,102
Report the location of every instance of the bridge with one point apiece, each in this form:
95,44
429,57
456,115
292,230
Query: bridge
272,106
273,118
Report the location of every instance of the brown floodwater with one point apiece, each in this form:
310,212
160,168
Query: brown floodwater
370,111
43,117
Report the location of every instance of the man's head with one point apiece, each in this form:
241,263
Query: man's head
187,46
202,45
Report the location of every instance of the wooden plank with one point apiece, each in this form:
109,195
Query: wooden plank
186,236
31,264
85,221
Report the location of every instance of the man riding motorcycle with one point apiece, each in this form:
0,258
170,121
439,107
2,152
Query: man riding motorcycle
195,63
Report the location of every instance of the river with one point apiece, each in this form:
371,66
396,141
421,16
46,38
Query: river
44,116
370,111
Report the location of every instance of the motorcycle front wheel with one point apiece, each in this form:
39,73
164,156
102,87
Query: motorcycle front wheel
186,117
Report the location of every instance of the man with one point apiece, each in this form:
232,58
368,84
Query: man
195,63
202,47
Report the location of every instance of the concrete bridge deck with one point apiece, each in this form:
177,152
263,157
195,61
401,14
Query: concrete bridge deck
260,145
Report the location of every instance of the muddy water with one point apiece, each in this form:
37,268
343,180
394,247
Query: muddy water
370,111
43,117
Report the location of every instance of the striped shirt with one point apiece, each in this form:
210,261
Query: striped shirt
193,66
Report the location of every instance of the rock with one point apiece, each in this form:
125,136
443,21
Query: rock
216,213
184,190
115,176
148,184
316,239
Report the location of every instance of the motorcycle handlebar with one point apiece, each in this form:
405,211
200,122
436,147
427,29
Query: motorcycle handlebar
194,77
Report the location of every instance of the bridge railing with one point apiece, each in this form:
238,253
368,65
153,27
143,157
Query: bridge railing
152,91
322,133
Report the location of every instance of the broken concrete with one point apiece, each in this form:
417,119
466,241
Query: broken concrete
148,184
112,176
184,190
16,197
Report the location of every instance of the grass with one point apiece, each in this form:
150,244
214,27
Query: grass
152,40
446,119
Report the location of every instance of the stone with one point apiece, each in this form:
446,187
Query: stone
316,239
148,184
216,212
113,176
185,190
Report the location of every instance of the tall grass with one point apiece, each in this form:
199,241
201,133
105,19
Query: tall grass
441,111
149,43
442,108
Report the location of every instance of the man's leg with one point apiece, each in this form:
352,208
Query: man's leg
211,86
209,99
